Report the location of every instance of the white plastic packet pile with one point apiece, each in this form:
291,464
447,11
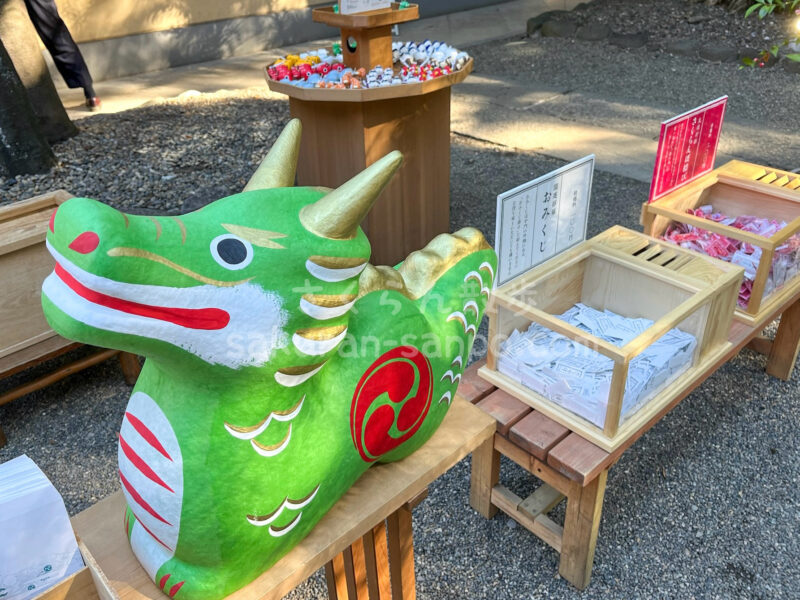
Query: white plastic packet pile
37,545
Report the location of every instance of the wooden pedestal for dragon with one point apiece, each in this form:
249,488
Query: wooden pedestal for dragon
280,363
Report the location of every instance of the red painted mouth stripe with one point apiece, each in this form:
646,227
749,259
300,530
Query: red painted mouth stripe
148,435
139,463
141,501
192,318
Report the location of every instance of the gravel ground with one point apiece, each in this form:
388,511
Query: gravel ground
633,90
703,506
667,20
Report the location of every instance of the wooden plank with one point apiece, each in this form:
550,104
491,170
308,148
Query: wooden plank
544,499
78,586
619,381
784,350
330,582
36,354
130,367
503,408
578,459
484,476
581,525
350,96
401,555
366,19
417,500
472,387
537,433
337,584
376,559
542,526
61,373
380,491
103,587
760,344
532,464
355,571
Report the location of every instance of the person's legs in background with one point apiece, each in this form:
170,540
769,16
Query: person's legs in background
58,41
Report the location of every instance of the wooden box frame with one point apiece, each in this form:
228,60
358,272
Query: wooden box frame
24,263
738,188
87,583
630,274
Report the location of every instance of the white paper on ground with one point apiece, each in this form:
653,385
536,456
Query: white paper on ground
37,545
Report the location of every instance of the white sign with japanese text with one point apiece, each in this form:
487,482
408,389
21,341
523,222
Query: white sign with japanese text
348,7
539,219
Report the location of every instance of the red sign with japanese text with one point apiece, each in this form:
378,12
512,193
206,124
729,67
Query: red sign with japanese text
687,147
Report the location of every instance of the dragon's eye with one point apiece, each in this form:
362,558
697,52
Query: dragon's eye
231,251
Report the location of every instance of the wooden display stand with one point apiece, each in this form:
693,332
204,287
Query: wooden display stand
345,131
738,188
27,339
364,542
572,468
632,275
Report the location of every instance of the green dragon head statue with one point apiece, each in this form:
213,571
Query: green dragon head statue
280,364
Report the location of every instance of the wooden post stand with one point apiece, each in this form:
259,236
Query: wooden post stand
367,36
346,130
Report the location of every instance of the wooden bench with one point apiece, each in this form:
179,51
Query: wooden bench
364,543
571,467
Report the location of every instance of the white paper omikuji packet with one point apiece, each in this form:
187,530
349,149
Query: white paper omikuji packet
37,545
579,378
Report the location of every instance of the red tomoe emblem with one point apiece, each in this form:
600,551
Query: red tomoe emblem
390,401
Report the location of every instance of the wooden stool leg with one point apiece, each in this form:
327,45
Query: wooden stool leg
335,578
584,505
786,345
376,559
130,367
401,554
3,438
355,571
485,475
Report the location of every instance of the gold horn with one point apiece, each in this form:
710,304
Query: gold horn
279,165
338,214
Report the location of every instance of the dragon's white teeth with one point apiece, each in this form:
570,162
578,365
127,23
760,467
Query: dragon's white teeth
292,379
250,432
472,305
488,267
322,313
458,360
281,531
317,347
275,449
453,377
474,275
446,396
333,275
286,504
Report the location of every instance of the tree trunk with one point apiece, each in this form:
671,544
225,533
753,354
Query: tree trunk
22,45
23,148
